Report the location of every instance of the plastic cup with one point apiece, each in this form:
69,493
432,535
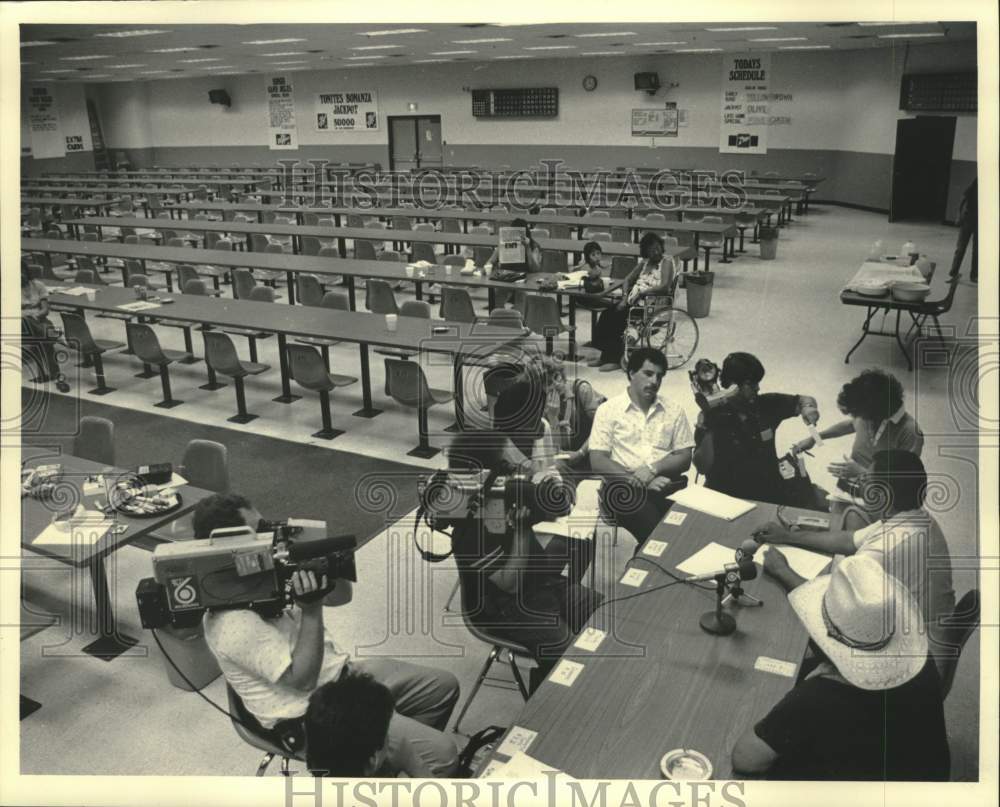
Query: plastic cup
391,321
409,271
91,294
447,269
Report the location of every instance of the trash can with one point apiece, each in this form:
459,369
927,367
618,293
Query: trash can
189,651
768,243
699,293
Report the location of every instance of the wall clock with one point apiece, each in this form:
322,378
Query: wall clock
589,83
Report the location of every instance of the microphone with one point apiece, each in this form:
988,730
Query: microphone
745,569
746,550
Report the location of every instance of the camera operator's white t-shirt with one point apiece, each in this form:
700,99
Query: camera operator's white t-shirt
254,653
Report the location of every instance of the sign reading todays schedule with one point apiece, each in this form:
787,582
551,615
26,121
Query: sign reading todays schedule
745,79
347,111
282,133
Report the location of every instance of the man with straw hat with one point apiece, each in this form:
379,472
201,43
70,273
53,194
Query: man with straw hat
874,711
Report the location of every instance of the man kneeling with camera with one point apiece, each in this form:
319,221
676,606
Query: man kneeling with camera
274,663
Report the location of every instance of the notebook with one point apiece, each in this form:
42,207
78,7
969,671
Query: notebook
700,498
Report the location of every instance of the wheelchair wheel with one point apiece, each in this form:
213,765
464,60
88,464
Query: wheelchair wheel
675,333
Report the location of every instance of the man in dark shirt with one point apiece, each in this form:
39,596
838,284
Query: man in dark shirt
968,229
872,709
736,439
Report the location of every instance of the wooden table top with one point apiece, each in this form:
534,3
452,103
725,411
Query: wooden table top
658,681
571,245
297,321
36,514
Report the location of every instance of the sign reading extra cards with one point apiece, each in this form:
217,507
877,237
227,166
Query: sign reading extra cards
745,79
347,111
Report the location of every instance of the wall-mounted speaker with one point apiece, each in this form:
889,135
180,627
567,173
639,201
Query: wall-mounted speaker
650,82
220,97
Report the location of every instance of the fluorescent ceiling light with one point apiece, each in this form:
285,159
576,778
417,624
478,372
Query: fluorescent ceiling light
97,75
602,53
185,49
551,47
392,31
779,39
619,33
430,61
804,47
874,24
219,67
287,53
698,50
198,61
744,28
124,66
451,52
906,36
139,32
34,42
375,47
356,58
655,44
66,70
481,41
362,64
151,72
294,61
273,41
81,58
514,56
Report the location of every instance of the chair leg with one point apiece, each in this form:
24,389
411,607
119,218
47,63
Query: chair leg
213,381
493,656
189,348
517,675
325,350
168,401
262,768
241,416
253,349
454,591
102,388
327,432
743,232
424,449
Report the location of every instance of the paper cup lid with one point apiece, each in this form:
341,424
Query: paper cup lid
685,764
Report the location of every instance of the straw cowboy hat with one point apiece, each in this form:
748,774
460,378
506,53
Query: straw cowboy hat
865,621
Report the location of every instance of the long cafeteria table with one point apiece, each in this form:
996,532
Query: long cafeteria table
342,234
293,265
122,189
657,681
234,181
36,515
464,342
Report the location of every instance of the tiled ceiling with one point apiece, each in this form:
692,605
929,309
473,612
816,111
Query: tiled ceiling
102,53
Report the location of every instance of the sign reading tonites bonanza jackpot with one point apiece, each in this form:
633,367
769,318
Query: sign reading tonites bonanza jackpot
282,132
347,111
43,120
745,79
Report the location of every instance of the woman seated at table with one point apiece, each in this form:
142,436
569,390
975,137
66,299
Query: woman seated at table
593,281
649,278
532,263
37,329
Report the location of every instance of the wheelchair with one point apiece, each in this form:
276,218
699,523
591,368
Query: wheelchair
655,322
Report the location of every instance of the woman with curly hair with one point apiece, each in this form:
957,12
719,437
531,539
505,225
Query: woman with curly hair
876,416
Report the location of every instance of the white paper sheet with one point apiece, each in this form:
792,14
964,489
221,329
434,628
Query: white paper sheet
804,562
522,766
710,558
579,525
700,498
86,528
138,305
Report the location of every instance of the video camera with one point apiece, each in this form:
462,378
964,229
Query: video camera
451,496
708,393
240,567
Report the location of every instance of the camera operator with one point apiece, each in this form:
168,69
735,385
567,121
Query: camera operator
736,449
275,664
509,584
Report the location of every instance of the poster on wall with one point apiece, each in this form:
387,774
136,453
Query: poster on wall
282,134
745,79
347,111
43,122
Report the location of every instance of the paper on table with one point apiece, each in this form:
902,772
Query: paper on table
522,766
75,291
804,562
87,527
698,497
710,558
579,524
138,305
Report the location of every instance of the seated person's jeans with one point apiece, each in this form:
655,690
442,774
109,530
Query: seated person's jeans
635,508
544,616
